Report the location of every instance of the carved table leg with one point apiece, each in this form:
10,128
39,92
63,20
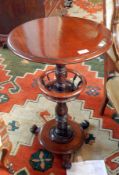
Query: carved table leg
61,135
104,104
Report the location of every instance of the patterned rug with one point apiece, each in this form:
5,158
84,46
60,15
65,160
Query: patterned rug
91,9
22,105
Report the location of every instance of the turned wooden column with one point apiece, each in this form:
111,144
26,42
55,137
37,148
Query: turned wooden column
62,133
61,74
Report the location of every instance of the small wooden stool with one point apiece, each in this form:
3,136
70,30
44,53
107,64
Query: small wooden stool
5,146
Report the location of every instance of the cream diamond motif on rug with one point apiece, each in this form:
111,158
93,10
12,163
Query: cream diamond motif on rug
21,119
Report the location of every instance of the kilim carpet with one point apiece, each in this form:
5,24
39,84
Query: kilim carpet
22,105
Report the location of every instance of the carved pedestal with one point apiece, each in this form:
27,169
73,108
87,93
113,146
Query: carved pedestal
61,135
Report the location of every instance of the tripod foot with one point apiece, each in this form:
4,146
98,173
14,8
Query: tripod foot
66,161
85,124
35,129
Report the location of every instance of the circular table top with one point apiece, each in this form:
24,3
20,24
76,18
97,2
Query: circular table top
59,40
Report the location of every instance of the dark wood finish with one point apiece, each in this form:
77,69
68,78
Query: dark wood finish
13,13
61,83
60,41
61,89
16,12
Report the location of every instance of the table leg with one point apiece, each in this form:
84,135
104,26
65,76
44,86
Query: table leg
63,132
61,135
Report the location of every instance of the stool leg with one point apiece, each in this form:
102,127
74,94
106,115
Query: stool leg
102,109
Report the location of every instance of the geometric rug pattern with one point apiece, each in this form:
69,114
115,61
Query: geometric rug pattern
38,111
22,105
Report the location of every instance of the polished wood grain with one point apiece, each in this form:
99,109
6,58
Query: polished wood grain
69,93
59,40
16,12
13,13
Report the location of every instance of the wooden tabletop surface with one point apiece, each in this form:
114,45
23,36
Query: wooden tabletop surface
59,40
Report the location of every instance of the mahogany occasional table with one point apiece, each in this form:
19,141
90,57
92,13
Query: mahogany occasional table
60,41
